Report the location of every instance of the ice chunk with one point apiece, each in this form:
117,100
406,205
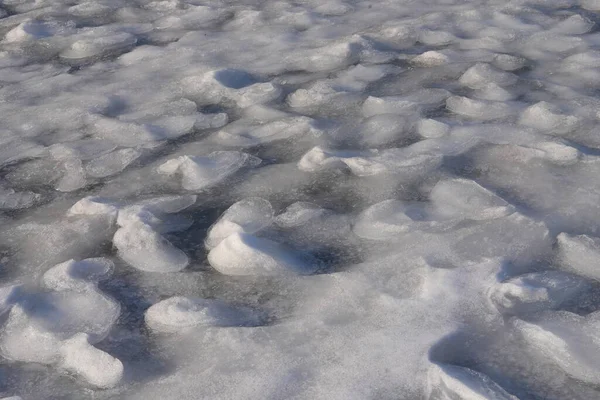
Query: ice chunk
37,326
155,219
126,134
421,100
230,85
391,218
330,57
94,205
169,204
369,162
536,291
74,177
380,130
35,29
12,200
181,313
95,366
431,58
22,341
460,383
479,109
465,199
244,254
143,248
548,118
481,75
509,62
565,339
77,275
112,163
436,37
299,214
97,44
247,216
580,254
520,239
201,172
574,25
247,133
431,128
84,149
45,244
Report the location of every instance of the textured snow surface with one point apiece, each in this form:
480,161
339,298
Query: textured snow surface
308,199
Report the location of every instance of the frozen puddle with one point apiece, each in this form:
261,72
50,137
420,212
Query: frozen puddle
317,199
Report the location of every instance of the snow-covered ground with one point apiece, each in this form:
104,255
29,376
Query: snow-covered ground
300,199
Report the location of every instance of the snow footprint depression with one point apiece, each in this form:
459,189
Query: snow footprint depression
308,199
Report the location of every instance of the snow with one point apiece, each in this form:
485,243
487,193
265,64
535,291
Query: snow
316,199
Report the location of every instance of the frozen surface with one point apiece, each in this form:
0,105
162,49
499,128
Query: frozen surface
311,199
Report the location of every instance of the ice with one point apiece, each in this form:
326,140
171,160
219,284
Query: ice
75,275
59,327
95,366
201,172
86,149
566,340
431,128
481,75
454,382
145,249
12,200
44,244
451,201
422,100
579,253
112,163
94,206
244,254
393,217
252,133
368,163
232,85
316,199
380,130
479,109
97,44
465,199
431,58
32,30
246,216
548,118
178,314
537,291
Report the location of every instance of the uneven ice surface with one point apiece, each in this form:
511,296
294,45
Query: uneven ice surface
316,199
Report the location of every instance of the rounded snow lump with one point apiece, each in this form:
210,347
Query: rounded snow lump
143,248
244,254
179,313
247,216
200,172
